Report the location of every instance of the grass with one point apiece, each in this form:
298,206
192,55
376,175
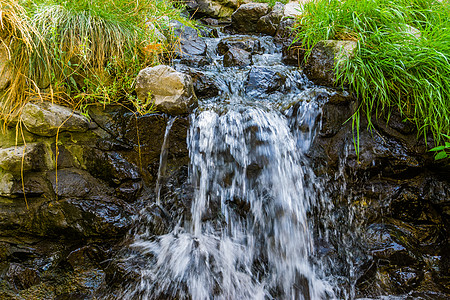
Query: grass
82,52
402,59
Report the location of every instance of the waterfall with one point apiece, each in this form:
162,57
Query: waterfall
249,232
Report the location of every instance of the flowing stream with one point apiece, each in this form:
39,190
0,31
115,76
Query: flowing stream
250,231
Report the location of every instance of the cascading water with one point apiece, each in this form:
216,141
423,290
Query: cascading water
249,234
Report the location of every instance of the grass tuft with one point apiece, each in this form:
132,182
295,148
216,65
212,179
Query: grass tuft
402,59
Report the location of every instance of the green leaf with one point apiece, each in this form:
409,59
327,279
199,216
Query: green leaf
441,155
447,144
438,148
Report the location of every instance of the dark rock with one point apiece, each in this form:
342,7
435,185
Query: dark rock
110,167
190,43
246,17
22,277
237,57
262,81
82,218
247,43
268,24
285,34
293,54
195,60
390,245
205,85
324,57
86,257
129,190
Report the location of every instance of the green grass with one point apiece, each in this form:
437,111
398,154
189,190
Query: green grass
80,52
402,59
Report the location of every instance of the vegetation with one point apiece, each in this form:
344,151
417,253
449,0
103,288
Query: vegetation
402,59
79,52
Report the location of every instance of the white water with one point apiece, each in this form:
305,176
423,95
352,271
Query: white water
249,231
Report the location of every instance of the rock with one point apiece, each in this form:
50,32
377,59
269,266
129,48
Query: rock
6,71
171,91
86,257
6,183
268,24
262,81
22,277
32,157
324,57
237,57
247,43
110,167
212,8
205,85
75,218
46,119
293,54
294,9
189,41
284,34
246,17
195,60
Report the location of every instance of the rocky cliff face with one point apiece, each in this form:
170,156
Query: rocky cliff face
69,189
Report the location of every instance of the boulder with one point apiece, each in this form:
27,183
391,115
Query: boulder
171,91
293,54
22,277
246,17
6,72
189,42
237,57
294,9
324,57
262,81
268,24
284,33
30,157
205,85
247,43
46,119
213,8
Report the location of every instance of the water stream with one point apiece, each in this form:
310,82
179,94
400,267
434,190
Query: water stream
250,230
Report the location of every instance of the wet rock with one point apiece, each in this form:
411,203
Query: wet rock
6,71
89,256
46,119
110,167
32,157
195,60
390,245
171,91
205,85
324,57
129,190
263,81
22,277
6,183
82,218
189,43
237,57
268,24
247,43
335,113
246,17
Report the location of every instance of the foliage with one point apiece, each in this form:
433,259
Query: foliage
83,52
402,59
442,151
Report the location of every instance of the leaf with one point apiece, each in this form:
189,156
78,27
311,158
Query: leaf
447,144
441,155
438,148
